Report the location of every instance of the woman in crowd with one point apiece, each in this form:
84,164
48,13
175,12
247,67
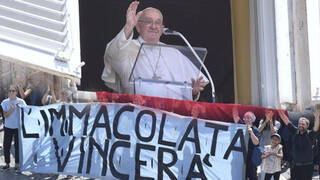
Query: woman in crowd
267,127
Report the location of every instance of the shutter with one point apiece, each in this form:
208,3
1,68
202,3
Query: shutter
41,34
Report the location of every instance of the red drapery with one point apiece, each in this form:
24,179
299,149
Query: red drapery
202,110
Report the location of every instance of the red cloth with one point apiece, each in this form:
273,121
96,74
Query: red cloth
202,110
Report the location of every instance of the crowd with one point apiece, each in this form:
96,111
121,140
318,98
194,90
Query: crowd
37,89
302,145
300,150
43,89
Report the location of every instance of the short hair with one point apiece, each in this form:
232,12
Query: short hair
306,120
14,86
253,117
151,8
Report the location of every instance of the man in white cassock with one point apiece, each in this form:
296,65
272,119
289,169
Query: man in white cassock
155,62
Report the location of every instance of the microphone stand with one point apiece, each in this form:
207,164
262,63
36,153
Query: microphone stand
166,31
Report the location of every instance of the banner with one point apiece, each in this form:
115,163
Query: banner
126,141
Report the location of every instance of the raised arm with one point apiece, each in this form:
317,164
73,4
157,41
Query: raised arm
270,116
53,94
44,99
132,18
316,120
23,93
264,123
117,50
254,138
284,117
235,115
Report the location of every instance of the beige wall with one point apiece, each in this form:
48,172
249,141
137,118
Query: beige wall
240,17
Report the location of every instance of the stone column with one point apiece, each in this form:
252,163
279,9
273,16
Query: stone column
301,53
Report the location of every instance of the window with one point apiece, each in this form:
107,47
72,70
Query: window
42,34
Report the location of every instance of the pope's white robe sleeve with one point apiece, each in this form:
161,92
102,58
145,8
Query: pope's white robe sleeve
115,53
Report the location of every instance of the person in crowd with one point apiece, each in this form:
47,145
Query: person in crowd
302,140
50,97
1,121
35,90
11,115
65,96
267,126
156,63
316,153
249,119
57,91
22,89
272,156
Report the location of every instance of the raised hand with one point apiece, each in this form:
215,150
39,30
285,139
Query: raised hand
131,18
197,85
20,82
269,115
316,114
284,117
19,85
235,114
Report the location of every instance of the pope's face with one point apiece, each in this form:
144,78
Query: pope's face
150,26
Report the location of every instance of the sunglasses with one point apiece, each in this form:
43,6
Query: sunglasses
12,90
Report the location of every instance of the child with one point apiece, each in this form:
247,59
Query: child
272,156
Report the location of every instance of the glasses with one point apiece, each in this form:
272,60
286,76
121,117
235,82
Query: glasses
150,22
12,90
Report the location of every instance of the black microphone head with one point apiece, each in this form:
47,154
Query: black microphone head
167,31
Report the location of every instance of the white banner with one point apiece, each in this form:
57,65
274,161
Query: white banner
126,141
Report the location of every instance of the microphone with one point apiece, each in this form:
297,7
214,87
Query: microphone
167,31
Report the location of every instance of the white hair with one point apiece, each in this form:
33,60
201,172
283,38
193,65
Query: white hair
253,117
151,8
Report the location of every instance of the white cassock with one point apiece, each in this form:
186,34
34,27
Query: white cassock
155,63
